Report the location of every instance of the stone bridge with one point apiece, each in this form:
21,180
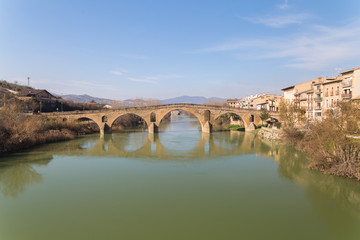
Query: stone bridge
152,115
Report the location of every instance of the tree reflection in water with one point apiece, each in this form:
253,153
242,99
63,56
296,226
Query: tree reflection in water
17,172
336,199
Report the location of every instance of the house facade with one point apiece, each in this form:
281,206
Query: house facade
269,102
317,96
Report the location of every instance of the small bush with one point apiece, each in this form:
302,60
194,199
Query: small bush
327,142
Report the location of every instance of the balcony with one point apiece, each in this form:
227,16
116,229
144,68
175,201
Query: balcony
297,100
318,99
347,83
346,95
318,90
317,107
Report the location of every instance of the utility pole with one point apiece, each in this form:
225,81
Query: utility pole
28,81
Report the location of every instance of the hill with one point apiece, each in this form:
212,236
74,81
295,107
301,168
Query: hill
182,99
86,98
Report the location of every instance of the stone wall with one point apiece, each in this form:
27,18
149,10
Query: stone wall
270,133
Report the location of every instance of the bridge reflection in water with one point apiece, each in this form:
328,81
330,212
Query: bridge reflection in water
144,145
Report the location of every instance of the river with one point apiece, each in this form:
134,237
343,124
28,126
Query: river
177,184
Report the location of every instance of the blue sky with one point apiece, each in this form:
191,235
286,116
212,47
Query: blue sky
161,49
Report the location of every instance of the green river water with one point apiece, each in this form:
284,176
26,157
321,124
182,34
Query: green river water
178,184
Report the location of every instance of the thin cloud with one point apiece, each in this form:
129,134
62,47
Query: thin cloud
280,21
318,47
143,80
117,73
285,5
169,76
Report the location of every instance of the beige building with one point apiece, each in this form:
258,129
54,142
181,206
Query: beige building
269,102
233,102
351,84
321,94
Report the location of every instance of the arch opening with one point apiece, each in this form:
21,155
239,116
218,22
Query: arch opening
229,121
175,138
129,123
273,123
88,124
178,120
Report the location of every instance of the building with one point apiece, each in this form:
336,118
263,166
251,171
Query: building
269,102
317,96
351,84
40,95
233,102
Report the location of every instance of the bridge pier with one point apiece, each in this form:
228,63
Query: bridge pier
104,129
251,127
207,127
153,128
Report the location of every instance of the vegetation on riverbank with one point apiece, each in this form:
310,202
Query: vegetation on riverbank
19,131
327,142
224,123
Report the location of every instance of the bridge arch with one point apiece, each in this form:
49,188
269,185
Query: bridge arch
117,117
90,120
198,115
243,116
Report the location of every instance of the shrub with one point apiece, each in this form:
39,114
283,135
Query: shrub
19,131
327,142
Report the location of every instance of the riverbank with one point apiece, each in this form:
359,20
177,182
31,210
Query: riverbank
270,133
327,142
19,131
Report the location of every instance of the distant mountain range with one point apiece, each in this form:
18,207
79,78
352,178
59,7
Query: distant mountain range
86,98
182,99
